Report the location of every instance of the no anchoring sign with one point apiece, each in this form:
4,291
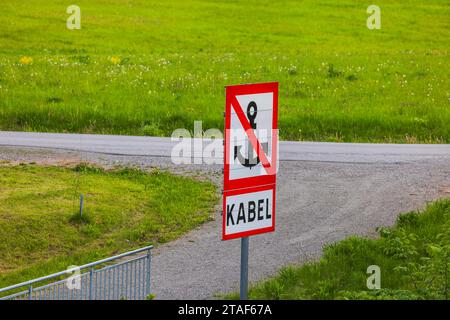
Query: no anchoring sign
250,156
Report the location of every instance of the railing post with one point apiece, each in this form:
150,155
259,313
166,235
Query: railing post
91,278
147,283
30,291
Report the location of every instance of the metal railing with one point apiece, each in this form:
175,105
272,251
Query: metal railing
128,280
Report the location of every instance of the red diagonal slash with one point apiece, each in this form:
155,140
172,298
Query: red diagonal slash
270,169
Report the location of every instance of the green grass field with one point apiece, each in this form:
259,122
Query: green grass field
41,230
413,256
146,67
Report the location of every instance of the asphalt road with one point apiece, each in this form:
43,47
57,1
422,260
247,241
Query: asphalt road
289,151
326,192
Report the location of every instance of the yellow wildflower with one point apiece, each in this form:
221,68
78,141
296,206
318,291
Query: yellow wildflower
26,60
115,60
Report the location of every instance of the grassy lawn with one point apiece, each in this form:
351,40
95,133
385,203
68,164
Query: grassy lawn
413,256
148,67
41,231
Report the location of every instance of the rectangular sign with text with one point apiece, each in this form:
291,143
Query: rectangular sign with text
248,212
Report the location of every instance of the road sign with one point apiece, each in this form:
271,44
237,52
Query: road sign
250,160
248,212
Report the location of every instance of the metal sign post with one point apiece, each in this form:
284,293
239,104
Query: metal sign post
243,294
250,166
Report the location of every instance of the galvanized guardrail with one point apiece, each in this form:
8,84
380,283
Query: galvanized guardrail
129,279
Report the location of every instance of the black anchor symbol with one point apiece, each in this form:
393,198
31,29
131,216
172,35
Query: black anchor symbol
251,161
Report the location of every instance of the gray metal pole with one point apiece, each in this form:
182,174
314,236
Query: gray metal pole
81,204
91,279
147,280
244,269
